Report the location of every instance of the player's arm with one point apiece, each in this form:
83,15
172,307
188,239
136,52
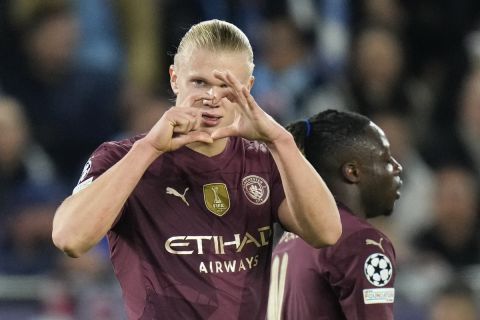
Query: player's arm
364,275
310,209
84,218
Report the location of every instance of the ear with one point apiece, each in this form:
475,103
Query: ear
173,79
251,81
351,172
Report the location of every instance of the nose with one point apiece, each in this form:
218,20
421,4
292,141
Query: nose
218,93
397,166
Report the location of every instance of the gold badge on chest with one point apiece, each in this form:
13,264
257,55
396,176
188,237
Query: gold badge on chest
216,198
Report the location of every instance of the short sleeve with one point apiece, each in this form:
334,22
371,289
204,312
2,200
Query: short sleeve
363,275
100,161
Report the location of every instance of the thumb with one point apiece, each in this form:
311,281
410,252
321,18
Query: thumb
223,132
192,136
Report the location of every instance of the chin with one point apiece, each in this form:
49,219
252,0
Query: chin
388,213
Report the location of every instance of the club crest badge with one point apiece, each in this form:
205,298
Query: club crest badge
255,189
216,197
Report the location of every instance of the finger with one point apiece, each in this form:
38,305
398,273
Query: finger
249,98
184,123
222,76
227,93
224,132
242,90
179,117
192,111
234,84
190,137
196,115
195,98
233,81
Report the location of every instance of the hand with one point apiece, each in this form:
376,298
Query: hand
178,126
250,121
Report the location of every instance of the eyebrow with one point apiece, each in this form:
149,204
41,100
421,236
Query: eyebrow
197,77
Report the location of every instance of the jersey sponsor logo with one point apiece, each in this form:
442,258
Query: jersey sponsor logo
204,245
86,170
216,197
375,243
255,189
379,295
175,193
228,266
197,244
378,269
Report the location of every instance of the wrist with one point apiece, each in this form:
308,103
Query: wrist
285,139
145,148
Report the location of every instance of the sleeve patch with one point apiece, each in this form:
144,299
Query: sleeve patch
86,170
378,269
378,295
83,185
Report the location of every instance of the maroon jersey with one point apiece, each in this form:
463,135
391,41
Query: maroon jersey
193,240
354,279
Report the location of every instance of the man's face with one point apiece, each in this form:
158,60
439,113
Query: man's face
380,182
193,74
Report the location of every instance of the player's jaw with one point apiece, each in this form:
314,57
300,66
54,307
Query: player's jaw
393,195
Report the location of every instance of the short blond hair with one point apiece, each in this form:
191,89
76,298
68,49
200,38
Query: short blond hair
216,35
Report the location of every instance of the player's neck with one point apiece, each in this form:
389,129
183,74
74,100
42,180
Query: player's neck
352,204
349,196
209,150
356,207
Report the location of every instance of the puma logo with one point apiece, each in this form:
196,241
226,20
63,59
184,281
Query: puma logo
375,243
175,193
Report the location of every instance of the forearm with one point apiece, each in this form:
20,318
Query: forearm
84,218
312,213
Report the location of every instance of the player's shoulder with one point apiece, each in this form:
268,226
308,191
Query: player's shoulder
110,152
120,146
351,224
365,238
359,235
356,251
252,146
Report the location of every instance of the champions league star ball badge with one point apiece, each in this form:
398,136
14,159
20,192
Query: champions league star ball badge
378,269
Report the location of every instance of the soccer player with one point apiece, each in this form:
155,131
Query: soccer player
188,208
354,278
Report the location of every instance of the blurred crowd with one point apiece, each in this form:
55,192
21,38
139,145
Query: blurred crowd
75,73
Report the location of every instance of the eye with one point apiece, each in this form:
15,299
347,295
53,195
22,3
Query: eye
198,82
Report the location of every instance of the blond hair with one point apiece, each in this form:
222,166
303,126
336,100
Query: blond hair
215,35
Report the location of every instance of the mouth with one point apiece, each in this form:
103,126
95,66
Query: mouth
210,119
399,187
397,195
